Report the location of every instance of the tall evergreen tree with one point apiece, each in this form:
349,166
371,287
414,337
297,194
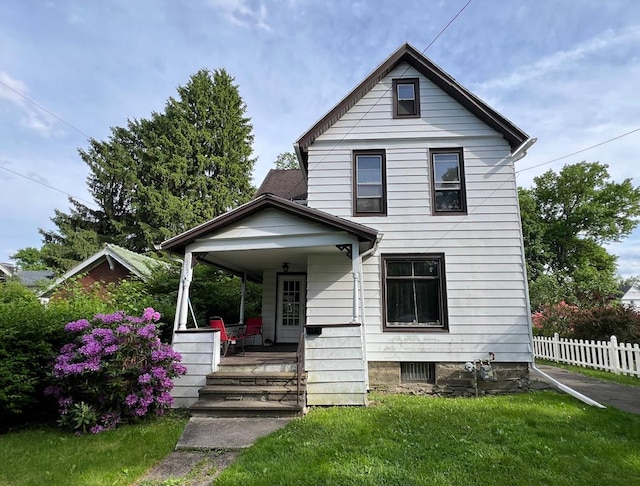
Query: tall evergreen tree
160,176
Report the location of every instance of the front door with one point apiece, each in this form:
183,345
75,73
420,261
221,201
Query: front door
291,306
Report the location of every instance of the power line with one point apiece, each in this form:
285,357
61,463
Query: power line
335,145
579,151
45,184
45,110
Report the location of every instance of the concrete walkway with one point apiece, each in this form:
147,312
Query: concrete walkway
208,445
609,394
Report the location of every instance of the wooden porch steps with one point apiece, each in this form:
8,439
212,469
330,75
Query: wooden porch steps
244,389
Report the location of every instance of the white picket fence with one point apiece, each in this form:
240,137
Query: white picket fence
603,355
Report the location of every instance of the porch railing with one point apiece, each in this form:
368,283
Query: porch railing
299,366
604,355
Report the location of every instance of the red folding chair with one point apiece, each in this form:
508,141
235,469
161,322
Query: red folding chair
225,339
252,329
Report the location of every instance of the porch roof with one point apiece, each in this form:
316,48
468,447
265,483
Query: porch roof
178,243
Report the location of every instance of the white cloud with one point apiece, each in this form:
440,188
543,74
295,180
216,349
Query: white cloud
13,92
245,13
562,60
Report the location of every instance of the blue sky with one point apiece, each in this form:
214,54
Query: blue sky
566,72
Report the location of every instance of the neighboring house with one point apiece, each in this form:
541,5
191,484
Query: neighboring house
6,271
630,295
110,265
408,260
32,279
287,183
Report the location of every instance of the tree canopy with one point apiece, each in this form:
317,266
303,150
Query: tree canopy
567,217
287,160
162,175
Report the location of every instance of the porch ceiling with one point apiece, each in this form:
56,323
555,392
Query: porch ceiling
254,262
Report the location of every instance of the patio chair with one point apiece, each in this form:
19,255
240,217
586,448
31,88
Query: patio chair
252,330
225,339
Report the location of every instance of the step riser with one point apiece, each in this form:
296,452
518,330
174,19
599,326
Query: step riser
259,368
212,380
245,413
260,397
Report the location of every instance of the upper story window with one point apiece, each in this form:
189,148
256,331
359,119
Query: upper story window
406,98
369,189
414,292
447,175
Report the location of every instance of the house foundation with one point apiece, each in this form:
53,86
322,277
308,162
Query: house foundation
451,379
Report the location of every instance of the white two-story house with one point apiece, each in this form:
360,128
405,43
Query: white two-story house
407,260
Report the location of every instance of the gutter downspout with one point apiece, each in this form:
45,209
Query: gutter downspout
363,316
560,386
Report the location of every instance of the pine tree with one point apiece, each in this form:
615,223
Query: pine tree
163,175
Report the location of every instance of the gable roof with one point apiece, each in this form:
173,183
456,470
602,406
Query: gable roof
139,265
285,183
6,269
409,54
178,243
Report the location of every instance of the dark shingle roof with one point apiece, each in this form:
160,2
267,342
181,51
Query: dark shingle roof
30,278
288,184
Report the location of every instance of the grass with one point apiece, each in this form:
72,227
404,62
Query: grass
600,374
55,457
541,438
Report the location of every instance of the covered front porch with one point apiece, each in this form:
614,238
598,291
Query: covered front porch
309,265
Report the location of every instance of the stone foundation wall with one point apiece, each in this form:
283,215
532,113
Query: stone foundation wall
451,379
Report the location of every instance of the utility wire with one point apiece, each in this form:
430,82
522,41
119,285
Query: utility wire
579,151
45,184
45,110
335,145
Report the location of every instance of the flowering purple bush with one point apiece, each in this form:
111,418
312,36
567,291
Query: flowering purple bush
115,369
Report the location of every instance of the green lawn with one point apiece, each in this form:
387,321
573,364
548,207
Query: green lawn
55,457
540,438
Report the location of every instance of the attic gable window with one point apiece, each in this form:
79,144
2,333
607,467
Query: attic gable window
406,98
369,183
448,195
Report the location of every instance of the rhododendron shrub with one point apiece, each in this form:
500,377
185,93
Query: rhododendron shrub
114,369
555,318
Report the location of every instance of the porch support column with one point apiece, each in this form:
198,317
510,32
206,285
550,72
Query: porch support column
355,270
243,291
185,283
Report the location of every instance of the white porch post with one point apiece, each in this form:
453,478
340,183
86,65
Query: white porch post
185,282
355,270
243,291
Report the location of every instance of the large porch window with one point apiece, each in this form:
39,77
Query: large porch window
414,292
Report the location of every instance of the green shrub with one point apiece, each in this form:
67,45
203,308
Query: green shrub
601,322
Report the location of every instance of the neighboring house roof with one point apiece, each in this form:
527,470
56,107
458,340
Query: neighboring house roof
6,269
178,243
31,278
139,265
435,74
288,184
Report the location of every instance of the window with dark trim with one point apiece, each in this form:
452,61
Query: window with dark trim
369,182
406,98
448,195
414,292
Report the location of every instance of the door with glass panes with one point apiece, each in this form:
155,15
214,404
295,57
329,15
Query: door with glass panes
291,305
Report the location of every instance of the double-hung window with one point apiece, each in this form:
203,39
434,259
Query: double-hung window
447,176
406,98
369,186
414,292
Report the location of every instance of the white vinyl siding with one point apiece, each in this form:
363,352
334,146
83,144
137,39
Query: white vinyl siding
335,359
486,294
